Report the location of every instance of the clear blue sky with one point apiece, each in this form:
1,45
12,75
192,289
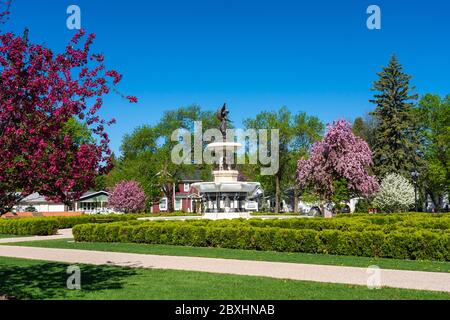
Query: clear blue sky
316,56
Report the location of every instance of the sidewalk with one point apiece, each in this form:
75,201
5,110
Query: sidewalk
62,234
418,280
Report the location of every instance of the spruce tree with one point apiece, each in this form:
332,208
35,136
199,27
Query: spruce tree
395,148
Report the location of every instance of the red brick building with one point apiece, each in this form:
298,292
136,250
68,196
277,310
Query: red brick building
186,198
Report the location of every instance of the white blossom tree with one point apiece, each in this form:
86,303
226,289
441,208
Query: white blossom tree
396,194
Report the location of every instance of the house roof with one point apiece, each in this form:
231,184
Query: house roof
91,194
191,177
37,198
34,198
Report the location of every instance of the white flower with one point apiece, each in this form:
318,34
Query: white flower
396,194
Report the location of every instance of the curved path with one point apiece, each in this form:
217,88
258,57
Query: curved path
433,281
62,234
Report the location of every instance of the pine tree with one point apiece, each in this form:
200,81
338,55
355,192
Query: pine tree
395,147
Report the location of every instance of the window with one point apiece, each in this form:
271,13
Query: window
178,204
163,204
187,187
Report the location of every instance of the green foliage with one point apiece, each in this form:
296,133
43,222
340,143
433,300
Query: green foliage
49,225
364,205
341,193
396,143
365,129
297,133
28,226
79,132
413,236
433,120
146,154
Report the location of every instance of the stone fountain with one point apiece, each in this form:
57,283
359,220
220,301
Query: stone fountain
226,196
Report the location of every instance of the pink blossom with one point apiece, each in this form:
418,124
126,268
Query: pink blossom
339,155
127,197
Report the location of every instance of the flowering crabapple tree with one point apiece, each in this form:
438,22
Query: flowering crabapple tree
396,194
40,91
340,156
127,197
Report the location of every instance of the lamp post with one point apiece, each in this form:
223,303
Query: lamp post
415,177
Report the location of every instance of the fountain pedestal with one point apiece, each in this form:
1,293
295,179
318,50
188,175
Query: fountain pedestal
225,197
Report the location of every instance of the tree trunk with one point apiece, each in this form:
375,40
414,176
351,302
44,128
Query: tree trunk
277,194
437,201
295,200
168,192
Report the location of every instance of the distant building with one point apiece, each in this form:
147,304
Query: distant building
185,199
89,202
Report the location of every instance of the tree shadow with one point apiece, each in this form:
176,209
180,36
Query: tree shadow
49,280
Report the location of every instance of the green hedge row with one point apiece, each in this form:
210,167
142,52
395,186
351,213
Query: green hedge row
441,224
28,226
420,245
49,225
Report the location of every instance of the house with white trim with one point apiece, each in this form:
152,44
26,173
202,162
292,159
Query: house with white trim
90,202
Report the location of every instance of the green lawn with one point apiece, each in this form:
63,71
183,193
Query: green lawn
245,255
27,279
3,236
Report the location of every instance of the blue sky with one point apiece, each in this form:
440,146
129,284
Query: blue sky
315,56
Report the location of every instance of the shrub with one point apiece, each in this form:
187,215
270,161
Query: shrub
364,205
28,226
290,235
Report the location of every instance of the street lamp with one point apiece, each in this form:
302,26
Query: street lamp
415,177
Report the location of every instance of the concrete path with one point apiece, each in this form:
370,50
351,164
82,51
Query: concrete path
62,234
432,281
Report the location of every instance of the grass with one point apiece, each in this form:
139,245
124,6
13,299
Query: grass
3,236
29,279
323,259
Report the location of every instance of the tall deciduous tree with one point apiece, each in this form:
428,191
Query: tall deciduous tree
396,145
296,135
340,157
40,92
433,118
146,154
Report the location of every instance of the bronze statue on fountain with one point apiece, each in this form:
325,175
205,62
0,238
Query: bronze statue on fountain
222,115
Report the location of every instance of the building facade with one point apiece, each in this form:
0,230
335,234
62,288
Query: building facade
185,199
90,202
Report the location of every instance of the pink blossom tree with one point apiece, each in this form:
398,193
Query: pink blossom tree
127,197
340,156
40,91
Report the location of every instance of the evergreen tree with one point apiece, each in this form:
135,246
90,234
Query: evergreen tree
395,148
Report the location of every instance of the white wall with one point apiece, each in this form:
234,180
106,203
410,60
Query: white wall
53,207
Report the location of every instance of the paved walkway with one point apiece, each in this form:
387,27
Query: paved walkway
62,234
432,281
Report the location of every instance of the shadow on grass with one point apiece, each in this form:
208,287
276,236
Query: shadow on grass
49,280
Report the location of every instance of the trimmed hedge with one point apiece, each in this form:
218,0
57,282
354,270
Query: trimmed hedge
50,225
28,226
401,244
